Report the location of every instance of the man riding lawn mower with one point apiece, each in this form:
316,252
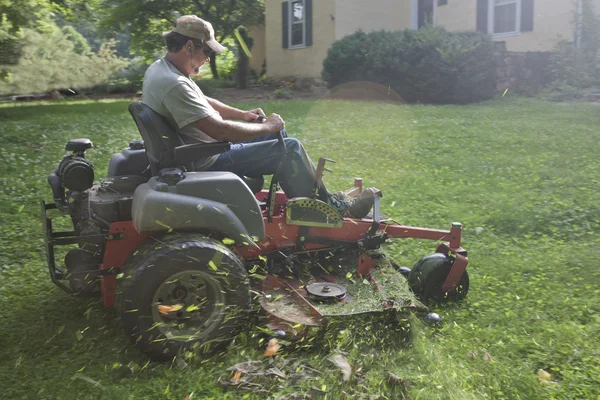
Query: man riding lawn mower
181,241
176,251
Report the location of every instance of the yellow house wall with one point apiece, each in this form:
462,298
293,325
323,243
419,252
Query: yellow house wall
457,15
303,62
371,15
257,32
553,18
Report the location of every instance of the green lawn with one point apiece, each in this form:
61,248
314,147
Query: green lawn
521,175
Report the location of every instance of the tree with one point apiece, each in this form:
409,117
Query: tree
147,20
15,15
54,60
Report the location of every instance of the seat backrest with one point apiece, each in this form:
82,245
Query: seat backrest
159,137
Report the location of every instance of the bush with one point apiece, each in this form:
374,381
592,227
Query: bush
430,65
283,93
576,70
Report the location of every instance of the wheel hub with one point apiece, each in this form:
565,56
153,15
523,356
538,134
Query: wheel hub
196,300
180,293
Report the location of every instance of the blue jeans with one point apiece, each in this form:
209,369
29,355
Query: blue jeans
262,156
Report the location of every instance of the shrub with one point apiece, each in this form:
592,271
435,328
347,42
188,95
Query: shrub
576,69
430,65
283,93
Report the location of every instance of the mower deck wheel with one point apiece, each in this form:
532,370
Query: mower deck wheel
184,292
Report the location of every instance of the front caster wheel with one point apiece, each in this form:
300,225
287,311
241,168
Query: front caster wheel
183,293
428,276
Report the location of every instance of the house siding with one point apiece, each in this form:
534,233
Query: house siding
552,19
257,32
371,15
303,62
334,19
457,15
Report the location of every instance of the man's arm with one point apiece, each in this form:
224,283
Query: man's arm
228,112
232,131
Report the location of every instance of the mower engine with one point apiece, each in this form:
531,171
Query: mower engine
92,209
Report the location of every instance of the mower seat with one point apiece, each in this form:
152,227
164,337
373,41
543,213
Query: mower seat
166,149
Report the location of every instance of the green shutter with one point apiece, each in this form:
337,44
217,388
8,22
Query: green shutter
482,16
308,24
527,15
284,24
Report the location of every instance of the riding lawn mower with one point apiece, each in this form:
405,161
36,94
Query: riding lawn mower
183,256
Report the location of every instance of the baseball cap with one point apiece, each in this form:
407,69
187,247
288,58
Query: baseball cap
197,28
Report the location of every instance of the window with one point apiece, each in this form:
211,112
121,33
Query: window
426,13
297,23
505,16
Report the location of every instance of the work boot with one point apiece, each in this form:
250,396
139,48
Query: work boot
358,207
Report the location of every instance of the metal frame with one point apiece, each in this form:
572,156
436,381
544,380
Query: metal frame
365,234
52,239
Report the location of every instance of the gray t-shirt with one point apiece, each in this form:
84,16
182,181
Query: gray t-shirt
179,99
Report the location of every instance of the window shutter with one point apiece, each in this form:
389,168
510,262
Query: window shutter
308,24
482,16
527,15
284,24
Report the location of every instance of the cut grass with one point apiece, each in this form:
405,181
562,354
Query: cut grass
521,175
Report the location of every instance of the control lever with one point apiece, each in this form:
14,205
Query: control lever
319,174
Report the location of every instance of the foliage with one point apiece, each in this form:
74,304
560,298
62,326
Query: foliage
80,44
15,15
283,93
50,61
521,175
575,69
430,65
147,20
127,80
227,60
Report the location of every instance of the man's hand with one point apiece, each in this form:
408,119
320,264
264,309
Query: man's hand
254,115
275,123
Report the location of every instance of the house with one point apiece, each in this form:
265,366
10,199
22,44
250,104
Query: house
298,33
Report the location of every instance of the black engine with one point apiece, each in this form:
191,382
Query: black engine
93,208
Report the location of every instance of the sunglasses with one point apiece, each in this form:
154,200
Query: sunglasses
208,52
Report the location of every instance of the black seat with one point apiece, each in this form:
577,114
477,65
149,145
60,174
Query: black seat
166,149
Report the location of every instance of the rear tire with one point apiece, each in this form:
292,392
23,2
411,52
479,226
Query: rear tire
195,272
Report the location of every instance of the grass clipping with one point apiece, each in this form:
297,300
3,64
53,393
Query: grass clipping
387,288
372,308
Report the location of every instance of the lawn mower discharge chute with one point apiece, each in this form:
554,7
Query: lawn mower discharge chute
183,255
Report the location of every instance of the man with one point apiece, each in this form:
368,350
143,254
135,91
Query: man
169,91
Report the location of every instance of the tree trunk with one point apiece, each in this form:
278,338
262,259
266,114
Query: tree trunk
213,67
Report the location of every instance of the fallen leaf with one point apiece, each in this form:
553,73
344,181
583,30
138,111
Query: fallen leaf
236,376
486,356
342,363
272,348
393,378
544,377
165,310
